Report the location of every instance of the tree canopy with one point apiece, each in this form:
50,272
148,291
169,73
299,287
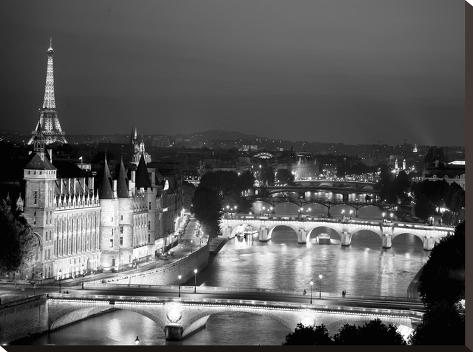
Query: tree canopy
16,239
373,332
442,288
216,190
443,276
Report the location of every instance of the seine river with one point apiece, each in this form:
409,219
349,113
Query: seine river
361,269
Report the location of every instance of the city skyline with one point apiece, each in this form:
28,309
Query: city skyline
176,93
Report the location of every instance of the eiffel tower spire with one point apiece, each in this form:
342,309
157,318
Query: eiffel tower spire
49,101
48,122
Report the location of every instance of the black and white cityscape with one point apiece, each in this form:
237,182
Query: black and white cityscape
232,172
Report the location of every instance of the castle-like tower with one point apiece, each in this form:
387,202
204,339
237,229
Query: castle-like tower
128,218
48,120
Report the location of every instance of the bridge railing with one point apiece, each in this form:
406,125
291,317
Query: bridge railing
323,306
340,220
217,289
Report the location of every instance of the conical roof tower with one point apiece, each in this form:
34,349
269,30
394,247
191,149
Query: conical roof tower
48,119
106,191
142,176
122,188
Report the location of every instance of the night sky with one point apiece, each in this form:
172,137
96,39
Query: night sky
352,71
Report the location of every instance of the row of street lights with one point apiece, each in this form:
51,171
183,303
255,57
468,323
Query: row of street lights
320,287
179,277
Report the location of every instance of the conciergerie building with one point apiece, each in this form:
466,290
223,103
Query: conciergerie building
86,223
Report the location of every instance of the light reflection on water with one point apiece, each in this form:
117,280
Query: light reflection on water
361,269
364,268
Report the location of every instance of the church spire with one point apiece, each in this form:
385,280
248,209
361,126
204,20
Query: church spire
49,101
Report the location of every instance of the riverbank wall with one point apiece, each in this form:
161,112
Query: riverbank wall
413,288
165,275
23,317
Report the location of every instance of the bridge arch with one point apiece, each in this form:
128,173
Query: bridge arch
286,208
286,320
293,229
315,209
317,230
71,315
360,233
370,211
339,210
257,206
414,238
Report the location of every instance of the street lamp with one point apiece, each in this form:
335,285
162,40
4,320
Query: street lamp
195,280
311,284
320,278
391,215
383,214
60,277
179,277
351,212
83,274
137,340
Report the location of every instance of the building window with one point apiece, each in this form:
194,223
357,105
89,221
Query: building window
121,241
111,243
35,197
121,229
121,217
149,205
149,225
149,238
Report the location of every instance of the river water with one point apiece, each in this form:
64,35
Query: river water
361,269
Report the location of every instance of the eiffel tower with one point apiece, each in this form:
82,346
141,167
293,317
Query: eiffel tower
48,127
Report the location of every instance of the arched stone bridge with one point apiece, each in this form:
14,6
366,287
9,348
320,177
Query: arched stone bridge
429,235
181,317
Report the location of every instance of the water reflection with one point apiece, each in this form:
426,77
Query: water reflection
364,268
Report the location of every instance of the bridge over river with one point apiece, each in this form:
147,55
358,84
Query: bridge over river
180,312
346,228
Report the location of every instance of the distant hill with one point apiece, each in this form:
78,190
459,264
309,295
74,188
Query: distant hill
218,135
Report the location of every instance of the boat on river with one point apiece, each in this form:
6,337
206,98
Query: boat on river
324,238
246,234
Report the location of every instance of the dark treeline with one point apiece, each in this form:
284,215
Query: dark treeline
215,192
429,197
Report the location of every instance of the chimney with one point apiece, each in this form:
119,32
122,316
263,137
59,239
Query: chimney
50,153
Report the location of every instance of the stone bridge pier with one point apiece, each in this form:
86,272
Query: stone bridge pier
264,234
428,242
302,234
345,238
387,240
